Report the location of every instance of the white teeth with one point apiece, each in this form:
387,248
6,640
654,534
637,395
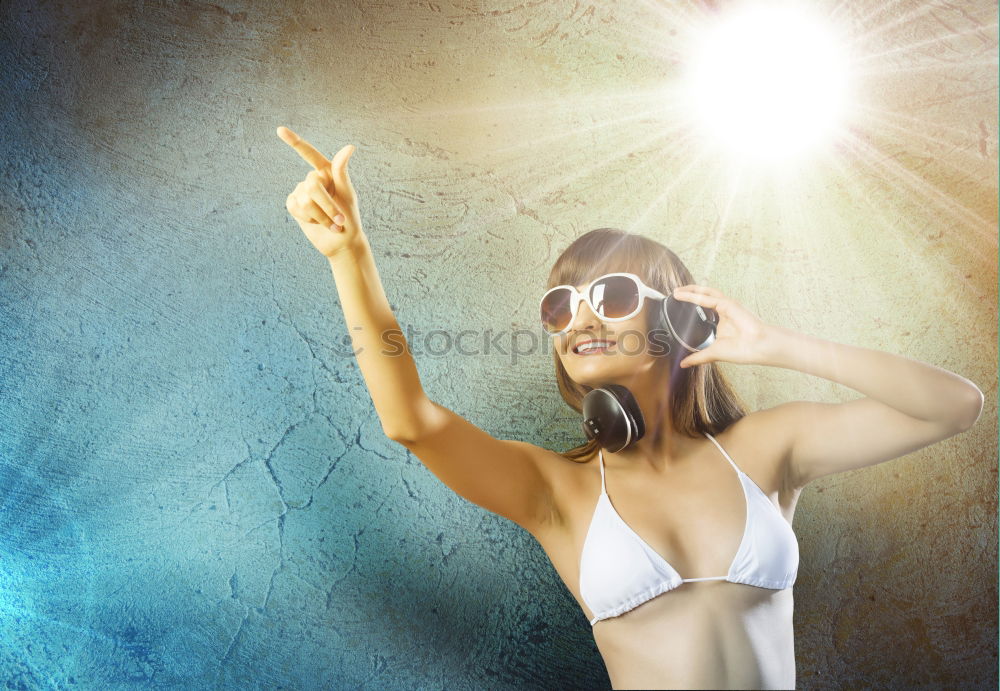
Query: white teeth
593,345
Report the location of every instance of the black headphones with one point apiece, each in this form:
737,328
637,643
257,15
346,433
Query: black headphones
689,325
610,413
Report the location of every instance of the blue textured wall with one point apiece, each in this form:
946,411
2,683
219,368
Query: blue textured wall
194,489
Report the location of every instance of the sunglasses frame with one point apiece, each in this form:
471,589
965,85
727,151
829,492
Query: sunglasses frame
576,297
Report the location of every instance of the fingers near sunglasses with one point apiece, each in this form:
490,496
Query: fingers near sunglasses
703,299
712,291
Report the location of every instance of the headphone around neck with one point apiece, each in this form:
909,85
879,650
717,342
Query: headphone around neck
612,416
610,413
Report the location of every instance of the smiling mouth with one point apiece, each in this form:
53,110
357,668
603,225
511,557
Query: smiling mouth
594,351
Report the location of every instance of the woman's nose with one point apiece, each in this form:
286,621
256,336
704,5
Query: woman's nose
585,317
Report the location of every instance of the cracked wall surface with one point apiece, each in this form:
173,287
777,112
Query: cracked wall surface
195,491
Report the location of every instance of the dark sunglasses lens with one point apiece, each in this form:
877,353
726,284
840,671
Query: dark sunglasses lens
556,310
692,323
615,296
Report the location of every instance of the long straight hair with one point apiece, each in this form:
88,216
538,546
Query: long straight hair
701,399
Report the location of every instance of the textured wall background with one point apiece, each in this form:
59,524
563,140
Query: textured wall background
195,489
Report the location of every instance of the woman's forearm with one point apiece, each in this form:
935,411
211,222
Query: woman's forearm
382,354
916,388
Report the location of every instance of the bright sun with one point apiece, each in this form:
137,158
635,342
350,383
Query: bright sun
767,83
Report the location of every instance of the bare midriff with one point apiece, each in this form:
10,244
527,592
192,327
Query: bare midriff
702,635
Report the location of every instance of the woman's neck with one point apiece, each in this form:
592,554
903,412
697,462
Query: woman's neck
661,445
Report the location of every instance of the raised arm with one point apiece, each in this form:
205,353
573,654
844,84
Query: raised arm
907,404
503,476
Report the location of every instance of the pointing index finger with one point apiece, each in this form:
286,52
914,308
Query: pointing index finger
304,149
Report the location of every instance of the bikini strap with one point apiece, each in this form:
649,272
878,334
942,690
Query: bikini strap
600,456
735,467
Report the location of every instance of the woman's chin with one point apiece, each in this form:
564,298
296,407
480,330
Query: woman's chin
596,375
597,370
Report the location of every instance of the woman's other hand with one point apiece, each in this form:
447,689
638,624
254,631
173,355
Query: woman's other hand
740,336
325,204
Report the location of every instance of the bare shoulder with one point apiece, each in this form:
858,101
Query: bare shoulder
761,442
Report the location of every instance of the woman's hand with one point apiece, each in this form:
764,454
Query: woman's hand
740,336
324,204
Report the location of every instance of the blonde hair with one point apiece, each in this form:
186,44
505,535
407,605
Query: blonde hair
701,399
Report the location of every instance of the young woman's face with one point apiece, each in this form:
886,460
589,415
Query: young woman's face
627,352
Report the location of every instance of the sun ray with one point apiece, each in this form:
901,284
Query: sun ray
668,188
886,112
719,234
884,117
537,190
903,241
653,41
939,64
598,125
866,37
681,15
591,163
658,100
877,160
921,44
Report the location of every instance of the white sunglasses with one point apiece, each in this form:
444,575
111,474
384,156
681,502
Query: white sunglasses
613,297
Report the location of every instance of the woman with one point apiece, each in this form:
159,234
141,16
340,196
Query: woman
679,547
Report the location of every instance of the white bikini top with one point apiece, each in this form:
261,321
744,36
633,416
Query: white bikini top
619,570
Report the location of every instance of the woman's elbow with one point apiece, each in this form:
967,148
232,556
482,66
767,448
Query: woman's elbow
975,408
397,433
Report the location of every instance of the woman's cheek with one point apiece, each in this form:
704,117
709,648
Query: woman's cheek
631,343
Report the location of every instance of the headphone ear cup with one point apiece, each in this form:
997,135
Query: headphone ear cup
661,328
660,321
604,419
631,408
611,415
691,326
